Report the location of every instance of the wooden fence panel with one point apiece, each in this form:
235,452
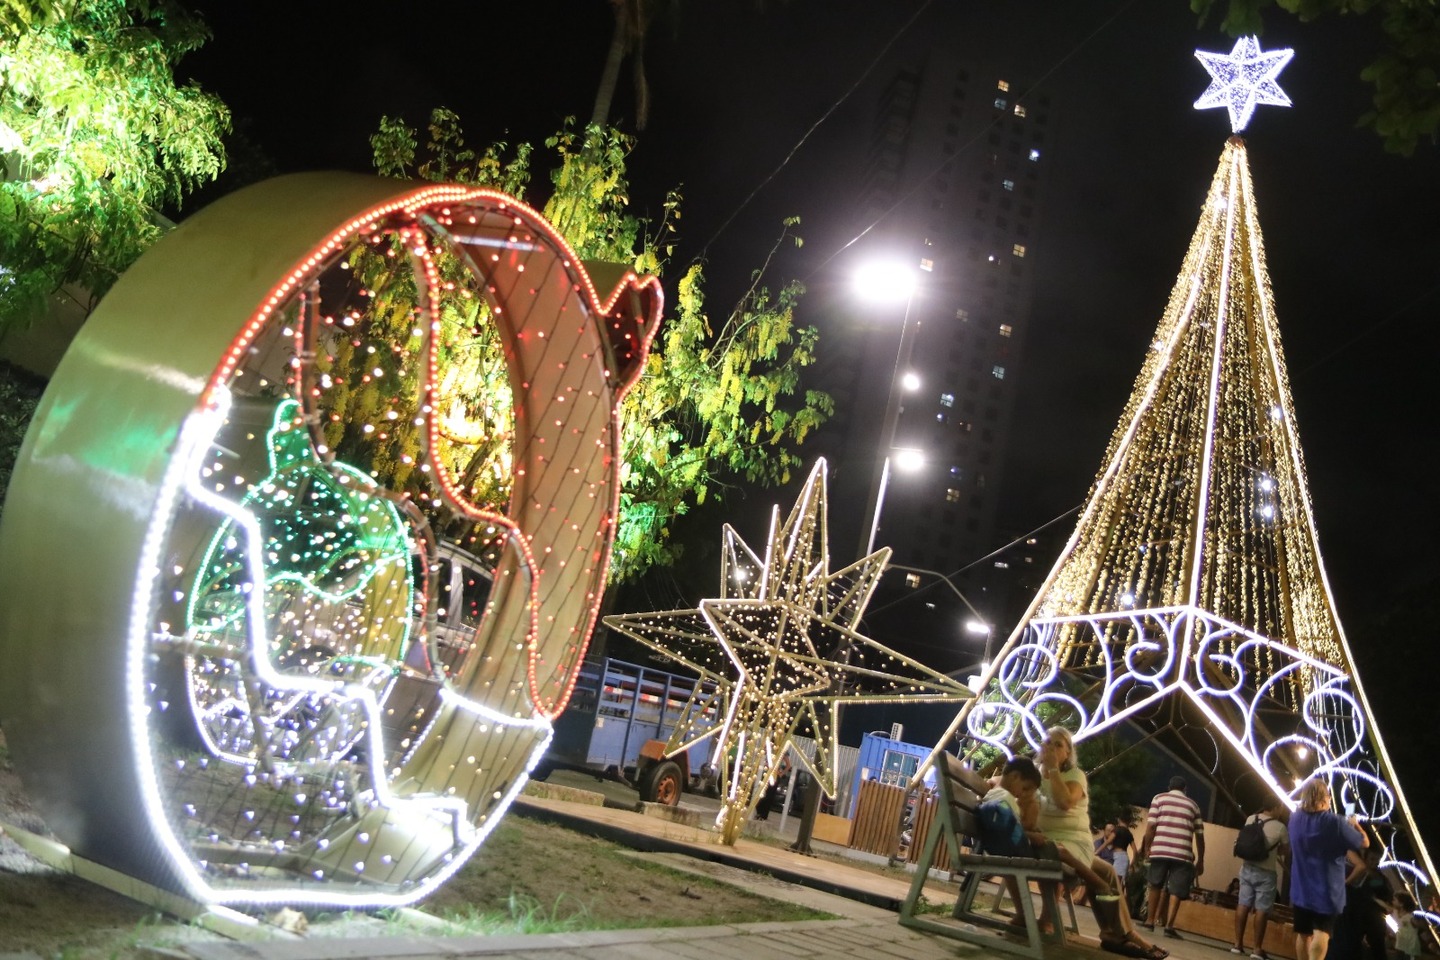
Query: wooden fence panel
877,812
923,821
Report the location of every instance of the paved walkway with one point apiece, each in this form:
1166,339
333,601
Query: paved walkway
865,901
868,939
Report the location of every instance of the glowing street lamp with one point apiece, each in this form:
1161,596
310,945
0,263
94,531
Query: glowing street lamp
908,459
979,628
889,282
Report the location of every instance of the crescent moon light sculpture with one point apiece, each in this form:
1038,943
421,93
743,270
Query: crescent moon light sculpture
293,579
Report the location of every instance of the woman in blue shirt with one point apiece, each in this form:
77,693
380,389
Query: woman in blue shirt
1319,840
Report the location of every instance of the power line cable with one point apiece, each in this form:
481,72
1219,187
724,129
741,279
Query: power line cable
874,62
979,560
1367,331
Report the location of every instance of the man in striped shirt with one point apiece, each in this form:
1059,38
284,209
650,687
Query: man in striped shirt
1175,845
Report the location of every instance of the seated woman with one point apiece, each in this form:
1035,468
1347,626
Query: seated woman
1065,820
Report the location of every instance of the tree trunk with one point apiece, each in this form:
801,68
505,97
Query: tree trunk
642,83
610,76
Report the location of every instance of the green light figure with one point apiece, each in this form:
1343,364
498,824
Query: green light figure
334,561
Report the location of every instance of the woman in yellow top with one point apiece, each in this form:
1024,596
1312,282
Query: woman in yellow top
1065,819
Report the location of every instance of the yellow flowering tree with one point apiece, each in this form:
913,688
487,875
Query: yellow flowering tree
720,399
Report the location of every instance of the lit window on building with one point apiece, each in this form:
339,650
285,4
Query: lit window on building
1000,103
962,315
1006,330
912,580
952,495
947,399
1034,155
998,372
1003,86
1019,110
1018,249
927,264
1008,184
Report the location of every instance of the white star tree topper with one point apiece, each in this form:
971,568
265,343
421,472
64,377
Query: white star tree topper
1243,79
779,648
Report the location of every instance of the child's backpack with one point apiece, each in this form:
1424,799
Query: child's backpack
1251,843
998,824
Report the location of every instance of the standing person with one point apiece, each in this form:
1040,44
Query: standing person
1065,819
1105,843
1123,843
1260,880
1367,901
1175,845
1319,840
770,800
1407,926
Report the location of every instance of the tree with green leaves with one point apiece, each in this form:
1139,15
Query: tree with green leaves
720,399
95,137
1406,74
1115,770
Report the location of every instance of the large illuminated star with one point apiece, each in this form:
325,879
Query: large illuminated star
1243,79
779,649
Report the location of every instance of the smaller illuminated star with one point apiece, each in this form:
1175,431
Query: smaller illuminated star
779,650
1243,79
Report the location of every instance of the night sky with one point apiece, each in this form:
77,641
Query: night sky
1351,232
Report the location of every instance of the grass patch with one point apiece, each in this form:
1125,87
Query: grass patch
535,876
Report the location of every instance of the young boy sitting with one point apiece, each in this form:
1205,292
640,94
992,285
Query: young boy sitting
1015,834
1009,811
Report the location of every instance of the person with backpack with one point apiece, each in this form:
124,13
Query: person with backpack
1262,846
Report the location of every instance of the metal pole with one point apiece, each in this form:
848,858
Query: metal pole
887,433
879,504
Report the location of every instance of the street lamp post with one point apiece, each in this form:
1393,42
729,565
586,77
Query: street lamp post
978,625
876,282
980,628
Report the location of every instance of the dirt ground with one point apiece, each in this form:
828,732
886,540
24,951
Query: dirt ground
527,868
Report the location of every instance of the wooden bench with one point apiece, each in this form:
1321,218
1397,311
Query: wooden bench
961,790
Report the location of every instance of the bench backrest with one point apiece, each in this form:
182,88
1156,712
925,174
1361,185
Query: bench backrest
961,790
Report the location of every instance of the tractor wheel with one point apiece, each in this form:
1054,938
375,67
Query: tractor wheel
662,783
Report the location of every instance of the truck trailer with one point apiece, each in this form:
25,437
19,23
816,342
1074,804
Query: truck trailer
619,722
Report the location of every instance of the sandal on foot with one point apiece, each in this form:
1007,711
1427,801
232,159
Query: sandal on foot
1129,948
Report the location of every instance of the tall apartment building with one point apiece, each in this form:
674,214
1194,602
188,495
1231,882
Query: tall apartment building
954,176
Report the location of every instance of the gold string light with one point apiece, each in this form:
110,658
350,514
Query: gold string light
781,648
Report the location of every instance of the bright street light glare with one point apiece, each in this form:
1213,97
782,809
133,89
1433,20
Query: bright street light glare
911,380
977,628
907,458
884,281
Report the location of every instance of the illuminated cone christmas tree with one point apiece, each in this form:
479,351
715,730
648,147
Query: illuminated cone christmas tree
1191,600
